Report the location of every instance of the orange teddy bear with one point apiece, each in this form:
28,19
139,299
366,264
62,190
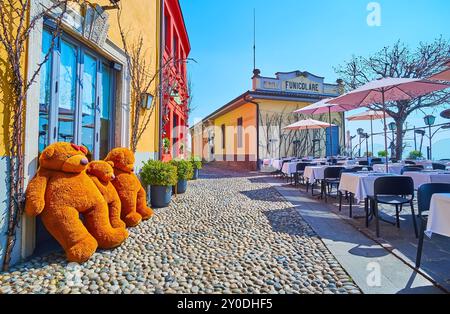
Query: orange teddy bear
129,188
102,172
59,192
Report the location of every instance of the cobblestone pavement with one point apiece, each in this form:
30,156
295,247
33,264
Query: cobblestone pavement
227,234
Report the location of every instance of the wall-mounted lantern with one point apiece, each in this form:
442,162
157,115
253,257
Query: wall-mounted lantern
146,101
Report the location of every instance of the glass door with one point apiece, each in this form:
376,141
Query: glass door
67,91
88,106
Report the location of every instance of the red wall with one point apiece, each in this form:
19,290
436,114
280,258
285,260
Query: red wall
176,51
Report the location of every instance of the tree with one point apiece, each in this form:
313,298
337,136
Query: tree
399,61
16,25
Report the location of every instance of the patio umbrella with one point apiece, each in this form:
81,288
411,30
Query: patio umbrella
308,124
368,115
388,89
323,106
444,75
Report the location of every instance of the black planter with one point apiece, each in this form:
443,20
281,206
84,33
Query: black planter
181,187
195,176
160,196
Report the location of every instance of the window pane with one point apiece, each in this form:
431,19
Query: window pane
67,92
45,91
105,110
88,102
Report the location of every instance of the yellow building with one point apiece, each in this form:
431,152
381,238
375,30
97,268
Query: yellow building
249,128
82,93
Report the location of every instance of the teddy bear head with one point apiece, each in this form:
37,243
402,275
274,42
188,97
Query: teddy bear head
64,157
123,159
103,170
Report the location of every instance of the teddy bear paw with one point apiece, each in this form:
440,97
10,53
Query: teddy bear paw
82,251
132,219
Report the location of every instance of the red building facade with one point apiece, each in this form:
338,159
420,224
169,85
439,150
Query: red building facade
175,100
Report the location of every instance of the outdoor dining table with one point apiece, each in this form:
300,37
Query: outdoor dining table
395,168
360,184
439,215
422,177
267,162
290,168
277,164
313,173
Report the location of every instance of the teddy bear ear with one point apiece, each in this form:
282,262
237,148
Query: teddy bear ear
110,163
48,153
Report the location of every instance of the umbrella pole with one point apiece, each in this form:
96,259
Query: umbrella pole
307,133
331,132
371,133
385,131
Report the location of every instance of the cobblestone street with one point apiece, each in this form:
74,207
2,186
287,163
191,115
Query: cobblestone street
227,234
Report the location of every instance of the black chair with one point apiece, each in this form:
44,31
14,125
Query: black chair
437,166
409,162
331,178
349,196
424,195
300,169
360,168
392,191
394,160
363,163
411,169
376,160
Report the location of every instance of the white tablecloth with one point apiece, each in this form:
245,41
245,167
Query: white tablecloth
313,173
290,168
267,162
276,163
428,177
439,216
359,184
393,168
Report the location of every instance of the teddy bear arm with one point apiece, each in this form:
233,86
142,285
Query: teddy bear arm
115,209
35,195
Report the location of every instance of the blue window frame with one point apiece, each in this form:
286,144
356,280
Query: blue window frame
76,96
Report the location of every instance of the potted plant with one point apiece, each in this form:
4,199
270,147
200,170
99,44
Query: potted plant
166,145
415,154
184,173
196,165
161,177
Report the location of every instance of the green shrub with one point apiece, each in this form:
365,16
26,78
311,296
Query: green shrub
382,153
185,169
196,162
158,173
415,154
166,144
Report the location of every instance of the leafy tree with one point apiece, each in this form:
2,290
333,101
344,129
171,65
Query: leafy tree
400,61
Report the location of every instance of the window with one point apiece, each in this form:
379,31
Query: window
175,48
76,97
167,31
239,133
223,136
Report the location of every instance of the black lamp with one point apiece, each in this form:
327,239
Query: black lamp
429,122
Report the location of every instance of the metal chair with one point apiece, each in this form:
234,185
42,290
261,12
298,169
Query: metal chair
349,196
392,191
363,163
415,168
437,166
299,171
409,162
424,195
331,178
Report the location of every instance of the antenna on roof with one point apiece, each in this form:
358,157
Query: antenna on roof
254,39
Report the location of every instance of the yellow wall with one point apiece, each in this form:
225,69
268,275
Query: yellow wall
248,114
141,18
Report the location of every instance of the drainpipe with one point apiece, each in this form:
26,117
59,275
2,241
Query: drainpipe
162,39
248,99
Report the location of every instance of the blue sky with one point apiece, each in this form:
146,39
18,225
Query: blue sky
296,35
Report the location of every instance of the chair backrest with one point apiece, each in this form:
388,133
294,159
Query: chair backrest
411,169
409,162
363,163
301,166
332,172
394,160
394,186
332,161
376,160
426,191
360,168
437,166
